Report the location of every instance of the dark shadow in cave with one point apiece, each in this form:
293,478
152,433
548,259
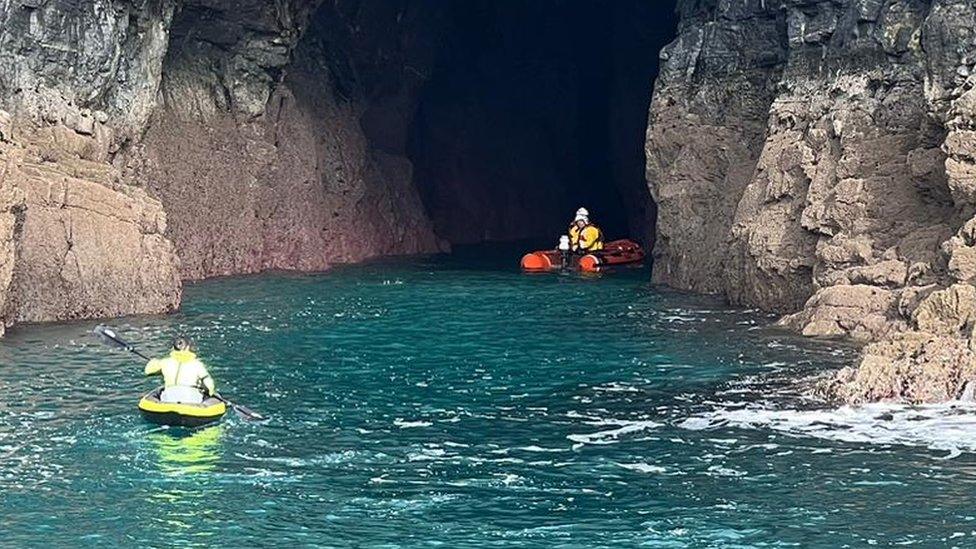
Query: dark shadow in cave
533,109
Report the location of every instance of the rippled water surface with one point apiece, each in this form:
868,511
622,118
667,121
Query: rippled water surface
456,402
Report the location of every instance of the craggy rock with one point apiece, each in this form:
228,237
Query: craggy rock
62,59
262,172
914,367
266,151
76,243
891,274
705,131
961,250
854,184
860,311
949,312
77,81
848,150
301,204
6,126
11,223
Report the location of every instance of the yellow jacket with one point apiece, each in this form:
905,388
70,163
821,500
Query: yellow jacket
182,368
588,239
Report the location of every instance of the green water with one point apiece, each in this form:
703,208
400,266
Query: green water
456,402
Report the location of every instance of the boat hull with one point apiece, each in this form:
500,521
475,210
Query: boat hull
616,253
178,414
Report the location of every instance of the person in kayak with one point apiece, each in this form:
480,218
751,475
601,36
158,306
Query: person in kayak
585,237
185,379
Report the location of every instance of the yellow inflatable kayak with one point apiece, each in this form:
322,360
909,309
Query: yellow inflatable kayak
178,414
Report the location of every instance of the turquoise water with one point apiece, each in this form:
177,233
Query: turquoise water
453,401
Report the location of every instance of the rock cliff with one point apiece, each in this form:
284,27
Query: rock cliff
150,141
279,140
77,81
824,152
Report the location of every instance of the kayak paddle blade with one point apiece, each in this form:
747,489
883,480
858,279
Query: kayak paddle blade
247,413
109,337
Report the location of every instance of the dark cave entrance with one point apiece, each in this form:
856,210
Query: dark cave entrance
533,109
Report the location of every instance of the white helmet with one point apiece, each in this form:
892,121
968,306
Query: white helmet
582,212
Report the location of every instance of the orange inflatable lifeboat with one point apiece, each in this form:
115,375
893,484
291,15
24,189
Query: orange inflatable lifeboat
618,252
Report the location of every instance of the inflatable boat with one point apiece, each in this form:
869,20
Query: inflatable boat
180,415
618,252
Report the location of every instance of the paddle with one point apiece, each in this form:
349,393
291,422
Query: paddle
111,338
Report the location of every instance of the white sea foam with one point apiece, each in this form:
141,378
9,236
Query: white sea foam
535,448
404,424
949,427
642,467
617,388
611,436
428,454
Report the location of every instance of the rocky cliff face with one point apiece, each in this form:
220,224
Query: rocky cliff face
265,148
240,135
824,152
77,82
811,157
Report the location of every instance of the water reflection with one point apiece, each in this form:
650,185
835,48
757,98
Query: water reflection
182,452
183,504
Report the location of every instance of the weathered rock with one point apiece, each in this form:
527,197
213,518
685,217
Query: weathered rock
706,126
862,312
961,165
79,247
268,151
843,148
283,175
60,57
859,167
11,223
6,126
912,296
961,250
890,274
75,242
914,367
949,312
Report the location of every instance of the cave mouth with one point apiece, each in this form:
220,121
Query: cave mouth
533,109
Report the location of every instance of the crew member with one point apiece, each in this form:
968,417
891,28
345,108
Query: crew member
585,237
